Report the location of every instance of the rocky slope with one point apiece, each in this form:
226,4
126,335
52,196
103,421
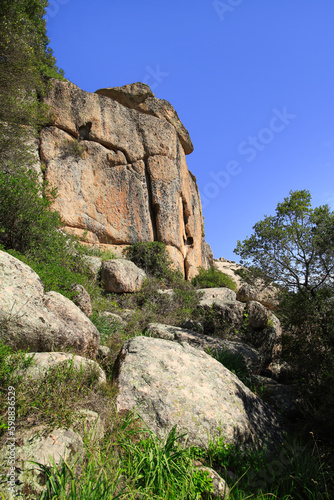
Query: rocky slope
117,158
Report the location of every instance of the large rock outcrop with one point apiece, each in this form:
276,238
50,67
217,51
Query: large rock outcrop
117,158
169,384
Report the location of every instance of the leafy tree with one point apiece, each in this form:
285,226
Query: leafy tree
26,62
295,248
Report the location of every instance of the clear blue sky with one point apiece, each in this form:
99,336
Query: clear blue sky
252,81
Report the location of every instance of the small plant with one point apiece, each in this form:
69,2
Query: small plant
73,148
212,278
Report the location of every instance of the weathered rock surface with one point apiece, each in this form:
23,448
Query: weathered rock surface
229,313
37,321
172,384
267,340
267,296
217,293
140,97
82,300
43,361
258,315
119,165
40,445
251,357
121,276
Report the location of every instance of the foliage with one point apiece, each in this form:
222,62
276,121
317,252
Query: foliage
25,64
213,278
153,258
295,247
296,471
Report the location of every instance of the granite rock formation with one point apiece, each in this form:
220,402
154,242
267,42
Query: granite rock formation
117,158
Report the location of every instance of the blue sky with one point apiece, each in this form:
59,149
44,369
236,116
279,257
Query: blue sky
252,81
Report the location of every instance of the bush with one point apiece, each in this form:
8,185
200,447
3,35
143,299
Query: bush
152,257
213,278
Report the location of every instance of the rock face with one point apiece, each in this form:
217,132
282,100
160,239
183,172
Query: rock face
41,322
117,158
172,384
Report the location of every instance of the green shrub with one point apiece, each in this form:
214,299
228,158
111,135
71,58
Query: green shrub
212,278
152,257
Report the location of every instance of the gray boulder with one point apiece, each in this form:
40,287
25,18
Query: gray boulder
120,275
224,294
37,321
169,384
251,357
43,361
258,315
228,314
39,445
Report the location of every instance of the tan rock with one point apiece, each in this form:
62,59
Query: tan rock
140,97
266,295
121,173
121,276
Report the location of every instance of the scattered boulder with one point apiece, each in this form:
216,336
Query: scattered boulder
94,264
228,314
251,357
43,361
82,300
283,398
267,296
220,488
224,294
120,275
37,321
258,315
267,340
88,424
169,384
39,445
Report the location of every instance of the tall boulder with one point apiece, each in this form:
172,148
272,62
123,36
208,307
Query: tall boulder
117,158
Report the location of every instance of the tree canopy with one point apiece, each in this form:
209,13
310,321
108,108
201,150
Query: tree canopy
294,247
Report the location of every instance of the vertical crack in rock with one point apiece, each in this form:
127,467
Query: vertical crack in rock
151,206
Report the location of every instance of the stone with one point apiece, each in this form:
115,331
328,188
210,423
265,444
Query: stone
140,97
251,357
121,172
113,317
120,275
268,340
170,384
89,425
39,445
224,294
283,398
258,315
82,300
228,313
267,296
230,267
43,361
220,488
94,264
37,321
